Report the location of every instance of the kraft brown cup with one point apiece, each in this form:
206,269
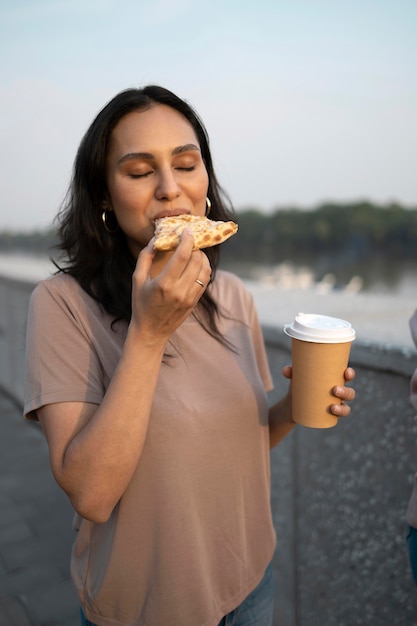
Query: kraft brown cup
319,359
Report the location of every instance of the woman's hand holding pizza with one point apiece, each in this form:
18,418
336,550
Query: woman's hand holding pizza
161,303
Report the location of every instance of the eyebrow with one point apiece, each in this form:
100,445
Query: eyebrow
148,156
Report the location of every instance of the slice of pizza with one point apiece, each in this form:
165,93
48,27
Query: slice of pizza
206,232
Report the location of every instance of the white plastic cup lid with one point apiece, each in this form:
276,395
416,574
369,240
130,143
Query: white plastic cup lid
320,329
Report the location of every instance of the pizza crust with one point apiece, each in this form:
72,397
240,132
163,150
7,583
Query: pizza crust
206,232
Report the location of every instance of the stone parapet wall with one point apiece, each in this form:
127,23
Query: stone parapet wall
14,301
339,497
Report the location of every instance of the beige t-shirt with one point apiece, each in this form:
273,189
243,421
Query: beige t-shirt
192,535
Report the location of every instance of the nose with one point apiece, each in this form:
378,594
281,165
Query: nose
167,188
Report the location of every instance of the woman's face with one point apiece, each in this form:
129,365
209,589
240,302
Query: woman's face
154,169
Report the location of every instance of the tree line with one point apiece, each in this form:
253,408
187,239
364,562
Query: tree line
350,232
357,231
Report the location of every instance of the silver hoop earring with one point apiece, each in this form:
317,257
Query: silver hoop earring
104,217
208,206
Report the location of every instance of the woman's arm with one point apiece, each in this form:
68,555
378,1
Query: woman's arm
94,450
280,420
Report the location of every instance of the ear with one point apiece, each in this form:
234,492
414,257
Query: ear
106,203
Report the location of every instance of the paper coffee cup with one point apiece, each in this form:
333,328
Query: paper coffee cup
320,354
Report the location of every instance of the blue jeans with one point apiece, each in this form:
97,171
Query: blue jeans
412,551
84,620
256,610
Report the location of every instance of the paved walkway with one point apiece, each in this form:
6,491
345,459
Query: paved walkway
35,530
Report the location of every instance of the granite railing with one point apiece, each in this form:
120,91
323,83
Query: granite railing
14,300
338,495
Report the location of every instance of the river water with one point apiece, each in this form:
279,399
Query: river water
379,309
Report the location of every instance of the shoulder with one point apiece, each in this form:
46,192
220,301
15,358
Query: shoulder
56,284
62,291
60,285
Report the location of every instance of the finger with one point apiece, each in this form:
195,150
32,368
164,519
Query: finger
187,234
144,261
185,267
204,270
200,283
344,393
340,410
197,271
349,373
187,239
181,257
287,371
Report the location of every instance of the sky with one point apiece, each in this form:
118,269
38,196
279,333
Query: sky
305,101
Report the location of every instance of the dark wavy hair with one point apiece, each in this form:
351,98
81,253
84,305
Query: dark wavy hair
100,261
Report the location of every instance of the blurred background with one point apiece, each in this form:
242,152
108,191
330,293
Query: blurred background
311,108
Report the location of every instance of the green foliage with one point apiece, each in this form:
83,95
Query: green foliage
346,233
361,230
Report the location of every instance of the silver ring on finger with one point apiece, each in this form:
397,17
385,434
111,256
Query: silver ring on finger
199,282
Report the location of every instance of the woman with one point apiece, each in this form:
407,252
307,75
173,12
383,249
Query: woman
147,372
411,514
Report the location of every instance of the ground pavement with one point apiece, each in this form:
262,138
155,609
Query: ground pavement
35,530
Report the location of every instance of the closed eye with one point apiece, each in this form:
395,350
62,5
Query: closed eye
140,175
190,168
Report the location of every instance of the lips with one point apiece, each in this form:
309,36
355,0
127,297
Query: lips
171,213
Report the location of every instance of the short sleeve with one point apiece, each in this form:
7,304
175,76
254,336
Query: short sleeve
61,362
